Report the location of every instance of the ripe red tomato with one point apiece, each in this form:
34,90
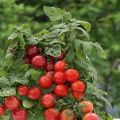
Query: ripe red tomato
1,110
50,74
72,75
49,66
78,86
60,66
45,82
27,60
48,100
77,95
32,51
19,114
59,77
67,114
11,103
60,57
86,106
23,90
61,90
34,93
51,114
39,61
91,116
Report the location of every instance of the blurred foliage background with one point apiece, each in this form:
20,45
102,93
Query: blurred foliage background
104,15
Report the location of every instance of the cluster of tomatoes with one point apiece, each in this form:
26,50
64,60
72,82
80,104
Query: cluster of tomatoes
65,81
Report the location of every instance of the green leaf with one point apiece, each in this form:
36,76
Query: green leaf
21,41
70,56
36,113
32,41
54,50
67,16
6,116
5,82
84,33
89,46
100,94
54,13
56,41
35,74
86,25
7,92
13,36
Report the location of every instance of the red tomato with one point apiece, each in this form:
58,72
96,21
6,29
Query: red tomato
45,82
61,56
51,114
11,103
34,93
50,74
32,51
86,106
60,66
72,75
59,77
91,116
78,86
39,61
1,110
78,95
27,60
49,66
23,90
61,90
19,114
48,100
67,114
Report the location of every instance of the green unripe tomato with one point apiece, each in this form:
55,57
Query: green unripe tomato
27,103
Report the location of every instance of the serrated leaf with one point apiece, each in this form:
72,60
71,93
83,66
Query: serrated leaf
56,41
89,46
13,36
32,41
100,94
34,74
5,82
54,13
54,50
86,25
70,56
83,31
7,92
67,16
18,79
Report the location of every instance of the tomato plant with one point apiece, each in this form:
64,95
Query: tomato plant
50,83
